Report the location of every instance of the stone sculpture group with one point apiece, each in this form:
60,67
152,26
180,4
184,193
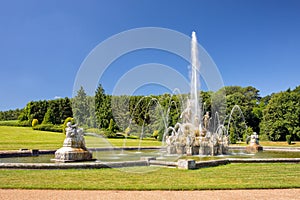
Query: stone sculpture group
74,148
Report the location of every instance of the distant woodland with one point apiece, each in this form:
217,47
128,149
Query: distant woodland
275,117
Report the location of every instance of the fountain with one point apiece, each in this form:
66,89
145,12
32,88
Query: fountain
73,147
193,136
254,145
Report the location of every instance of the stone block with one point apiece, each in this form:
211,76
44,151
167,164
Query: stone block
186,164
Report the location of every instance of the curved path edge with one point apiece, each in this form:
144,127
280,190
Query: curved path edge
273,194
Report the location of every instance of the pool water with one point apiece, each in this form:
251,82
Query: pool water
132,155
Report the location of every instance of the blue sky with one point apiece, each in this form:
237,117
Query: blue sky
43,43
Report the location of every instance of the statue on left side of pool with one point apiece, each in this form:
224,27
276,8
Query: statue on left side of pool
74,136
74,148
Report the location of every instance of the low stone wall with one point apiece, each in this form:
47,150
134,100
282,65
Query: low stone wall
264,160
145,161
212,163
20,153
81,165
163,163
98,165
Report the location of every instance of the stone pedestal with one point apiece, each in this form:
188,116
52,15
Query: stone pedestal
254,146
69,154
189,151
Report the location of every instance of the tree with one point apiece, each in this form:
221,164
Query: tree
103,109
65,109
232,135
10,114
80,107
120,111
247,99
281,116
34,110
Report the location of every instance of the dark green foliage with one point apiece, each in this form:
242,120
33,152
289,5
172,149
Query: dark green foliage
48,127
232,135
249,132
10,114
248,100
112,126
121,111
276,116
288,139
281,116
15,123
47,112
81,107
160,135
34,110
103,109
68,119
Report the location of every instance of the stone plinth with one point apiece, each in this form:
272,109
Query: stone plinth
254,148
69,154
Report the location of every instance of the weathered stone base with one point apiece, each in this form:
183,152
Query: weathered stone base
204,149
254,148
69,154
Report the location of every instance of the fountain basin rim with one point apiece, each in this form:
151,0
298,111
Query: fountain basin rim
25,153
99,165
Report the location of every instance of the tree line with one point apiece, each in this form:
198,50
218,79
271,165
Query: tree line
275,117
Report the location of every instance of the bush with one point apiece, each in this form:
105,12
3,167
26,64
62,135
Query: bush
112,126
288,139
68,119
127,131
9,123
160,135
232,135
15,123
48,127
104,133
109,134
155,134
34,122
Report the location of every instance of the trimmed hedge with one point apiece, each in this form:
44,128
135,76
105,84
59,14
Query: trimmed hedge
15,123
48,127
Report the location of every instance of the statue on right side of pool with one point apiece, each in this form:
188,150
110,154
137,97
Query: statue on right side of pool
254,145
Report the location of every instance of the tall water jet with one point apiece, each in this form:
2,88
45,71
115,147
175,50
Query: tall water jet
195,84
192,135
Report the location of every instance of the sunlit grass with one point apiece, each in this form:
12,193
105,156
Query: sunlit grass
14,138
233,176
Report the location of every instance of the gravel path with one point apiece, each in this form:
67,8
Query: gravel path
277,194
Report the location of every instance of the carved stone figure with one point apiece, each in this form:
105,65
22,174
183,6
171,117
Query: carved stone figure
206,120
74,148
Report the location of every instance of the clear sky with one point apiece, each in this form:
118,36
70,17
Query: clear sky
43,43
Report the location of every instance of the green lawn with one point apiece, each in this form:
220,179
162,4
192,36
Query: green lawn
280,144
134,142
271,144
14,138
233,176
